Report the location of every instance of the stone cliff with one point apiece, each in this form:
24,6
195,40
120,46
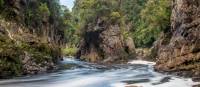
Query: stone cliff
104,43
179,48
28,44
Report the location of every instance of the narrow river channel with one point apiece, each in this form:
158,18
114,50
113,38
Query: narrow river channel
82,74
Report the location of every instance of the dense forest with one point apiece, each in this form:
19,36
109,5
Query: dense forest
35,35
142,20
145,19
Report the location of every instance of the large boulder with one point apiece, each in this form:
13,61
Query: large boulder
104,43
181,52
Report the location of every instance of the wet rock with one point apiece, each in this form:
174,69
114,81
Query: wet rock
163,80
196,85
196,79
136,81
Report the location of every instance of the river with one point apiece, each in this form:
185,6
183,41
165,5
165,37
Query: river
83,74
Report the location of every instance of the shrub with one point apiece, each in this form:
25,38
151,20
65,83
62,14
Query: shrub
44,11
69,51
115,17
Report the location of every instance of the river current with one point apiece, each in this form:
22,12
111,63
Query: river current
83,74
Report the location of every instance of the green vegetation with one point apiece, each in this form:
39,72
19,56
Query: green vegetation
1,3
10,62
31,31
69,51
154,18
86,12
43,11
57,27
148,18
145,19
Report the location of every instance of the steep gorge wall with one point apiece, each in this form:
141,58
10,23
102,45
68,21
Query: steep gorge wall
40,17
179,48
29,44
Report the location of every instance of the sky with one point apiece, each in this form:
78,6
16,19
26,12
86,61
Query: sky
68,3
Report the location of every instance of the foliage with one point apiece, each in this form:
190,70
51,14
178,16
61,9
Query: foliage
9,62
70,32
1,3
154,18
69,51
132,9
115,17
89,11
44,10
29,20
147,18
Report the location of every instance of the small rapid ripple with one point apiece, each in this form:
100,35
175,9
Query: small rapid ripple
83,74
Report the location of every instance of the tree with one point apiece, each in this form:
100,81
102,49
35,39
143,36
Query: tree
145,19
44,11
154,18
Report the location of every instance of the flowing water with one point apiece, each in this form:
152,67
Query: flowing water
82,74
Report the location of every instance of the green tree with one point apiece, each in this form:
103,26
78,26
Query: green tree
147,18
43,11
154,18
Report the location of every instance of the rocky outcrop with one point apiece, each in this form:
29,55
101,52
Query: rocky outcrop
27,13
22,53
104,43
29,43
179,48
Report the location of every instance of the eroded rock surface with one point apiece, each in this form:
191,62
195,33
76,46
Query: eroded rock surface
104,43
179,48
28,48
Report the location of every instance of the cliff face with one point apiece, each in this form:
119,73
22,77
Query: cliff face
40,17
104,43
30,42
179,48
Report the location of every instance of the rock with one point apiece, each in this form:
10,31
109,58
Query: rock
105,44
180,53
130,46
196,79
28,46
137,81
24,54
163,80
144,54
196,85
